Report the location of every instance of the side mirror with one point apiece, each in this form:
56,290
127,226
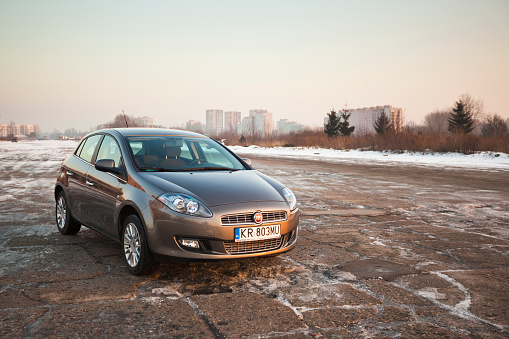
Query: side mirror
107,165
247,161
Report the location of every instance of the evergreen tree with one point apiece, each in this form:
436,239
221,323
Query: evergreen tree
332,125
461,120
344,126
382,123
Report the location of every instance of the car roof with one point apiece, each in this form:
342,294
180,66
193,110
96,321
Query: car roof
134,131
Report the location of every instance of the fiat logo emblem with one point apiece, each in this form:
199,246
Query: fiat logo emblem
258,218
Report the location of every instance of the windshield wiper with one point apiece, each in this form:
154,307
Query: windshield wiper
210,169
158,169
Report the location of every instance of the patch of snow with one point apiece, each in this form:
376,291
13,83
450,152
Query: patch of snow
377,241
479,160
432,292
464,305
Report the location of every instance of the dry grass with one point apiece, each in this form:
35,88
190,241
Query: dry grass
406,141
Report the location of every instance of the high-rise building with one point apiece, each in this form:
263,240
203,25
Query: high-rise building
364,118
285,126
214,121
248,125
195,126
232,121
262,122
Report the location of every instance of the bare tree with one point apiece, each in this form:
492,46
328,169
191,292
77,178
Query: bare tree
436,122
249,128
474,106
494,126
120,121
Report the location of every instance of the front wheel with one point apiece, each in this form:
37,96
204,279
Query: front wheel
65,223
137,255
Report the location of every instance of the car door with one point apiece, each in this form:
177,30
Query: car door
76,170
105,189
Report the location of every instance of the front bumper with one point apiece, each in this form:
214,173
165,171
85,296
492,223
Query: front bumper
216,241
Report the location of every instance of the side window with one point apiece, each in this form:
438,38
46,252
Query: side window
87,152
80,147
109,150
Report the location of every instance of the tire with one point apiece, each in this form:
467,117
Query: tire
137,256
65,222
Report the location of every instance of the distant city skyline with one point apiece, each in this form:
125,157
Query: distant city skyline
79,64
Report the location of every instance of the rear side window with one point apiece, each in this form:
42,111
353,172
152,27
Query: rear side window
87,152
109,150
80,147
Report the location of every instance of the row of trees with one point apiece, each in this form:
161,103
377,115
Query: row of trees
338,124
466,115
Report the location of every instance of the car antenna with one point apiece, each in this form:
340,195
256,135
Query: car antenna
125,119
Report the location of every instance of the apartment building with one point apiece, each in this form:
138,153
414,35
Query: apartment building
285,126
261,122
144,121
214,121
8,130
195,126
232,121
364,119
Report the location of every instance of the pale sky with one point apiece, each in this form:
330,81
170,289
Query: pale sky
79,63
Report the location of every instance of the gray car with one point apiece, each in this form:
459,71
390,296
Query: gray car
173,194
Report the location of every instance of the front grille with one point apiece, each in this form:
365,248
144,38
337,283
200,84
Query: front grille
247,218
246,247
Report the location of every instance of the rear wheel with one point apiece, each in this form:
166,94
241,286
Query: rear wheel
65,223
137,255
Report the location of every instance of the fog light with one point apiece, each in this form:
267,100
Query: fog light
190,243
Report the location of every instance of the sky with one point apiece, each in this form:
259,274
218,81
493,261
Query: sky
79,63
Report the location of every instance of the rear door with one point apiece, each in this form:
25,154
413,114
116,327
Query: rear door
76,170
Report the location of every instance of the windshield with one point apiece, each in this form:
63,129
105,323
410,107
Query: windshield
171,153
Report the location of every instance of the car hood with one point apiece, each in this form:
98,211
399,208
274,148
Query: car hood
216,187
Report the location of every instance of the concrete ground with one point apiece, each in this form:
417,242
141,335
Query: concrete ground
384,251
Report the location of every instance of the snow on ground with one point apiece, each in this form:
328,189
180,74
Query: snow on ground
53,152
36,162
480,160
37,149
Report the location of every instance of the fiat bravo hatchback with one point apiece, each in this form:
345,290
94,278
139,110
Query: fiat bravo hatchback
173,194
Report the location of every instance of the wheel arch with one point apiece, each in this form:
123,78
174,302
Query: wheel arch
123,214
58,189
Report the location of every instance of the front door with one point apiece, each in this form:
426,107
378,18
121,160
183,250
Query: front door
105,189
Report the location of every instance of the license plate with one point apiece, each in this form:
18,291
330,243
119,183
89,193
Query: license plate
257,233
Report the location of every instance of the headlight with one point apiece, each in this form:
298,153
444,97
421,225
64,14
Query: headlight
185,204
290,198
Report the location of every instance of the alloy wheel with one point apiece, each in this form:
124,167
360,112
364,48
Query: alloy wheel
132,244
61,213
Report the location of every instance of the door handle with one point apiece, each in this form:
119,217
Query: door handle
69,173
90,183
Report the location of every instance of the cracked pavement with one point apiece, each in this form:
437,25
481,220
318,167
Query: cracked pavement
384,251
